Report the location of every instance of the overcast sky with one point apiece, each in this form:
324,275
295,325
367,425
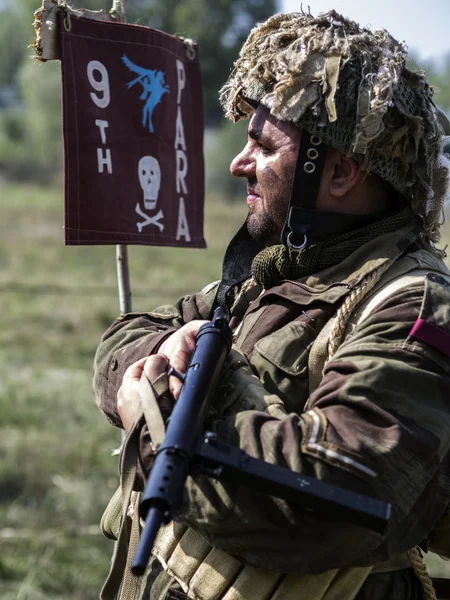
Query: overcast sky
423,25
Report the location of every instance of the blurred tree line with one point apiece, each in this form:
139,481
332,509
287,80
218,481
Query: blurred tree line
30,92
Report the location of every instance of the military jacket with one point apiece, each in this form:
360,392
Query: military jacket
378,423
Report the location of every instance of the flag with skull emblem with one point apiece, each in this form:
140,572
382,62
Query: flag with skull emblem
133,136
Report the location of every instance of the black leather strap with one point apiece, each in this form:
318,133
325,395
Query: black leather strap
303,218
305,189
237,264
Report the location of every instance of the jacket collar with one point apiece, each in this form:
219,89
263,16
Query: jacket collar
331,285
365,260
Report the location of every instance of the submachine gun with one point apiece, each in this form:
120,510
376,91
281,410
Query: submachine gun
189,450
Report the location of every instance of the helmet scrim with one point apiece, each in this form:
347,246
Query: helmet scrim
349,86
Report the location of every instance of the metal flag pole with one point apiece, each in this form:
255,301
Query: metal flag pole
123,273
123,279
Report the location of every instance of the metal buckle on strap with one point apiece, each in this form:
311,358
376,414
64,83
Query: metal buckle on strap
293,246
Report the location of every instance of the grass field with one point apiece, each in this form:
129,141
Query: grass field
56,469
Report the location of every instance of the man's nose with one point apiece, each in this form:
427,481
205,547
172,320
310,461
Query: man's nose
243,164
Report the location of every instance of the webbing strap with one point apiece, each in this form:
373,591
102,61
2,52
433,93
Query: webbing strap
149,403
119,560
318,356
394,280
131,583
120,576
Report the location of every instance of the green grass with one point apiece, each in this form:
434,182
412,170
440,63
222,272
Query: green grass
56,469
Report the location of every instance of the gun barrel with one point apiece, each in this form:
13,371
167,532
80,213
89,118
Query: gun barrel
175,456
155,517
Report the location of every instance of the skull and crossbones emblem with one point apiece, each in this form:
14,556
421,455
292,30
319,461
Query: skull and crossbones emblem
150,180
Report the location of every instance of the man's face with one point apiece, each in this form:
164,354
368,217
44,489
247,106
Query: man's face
268,162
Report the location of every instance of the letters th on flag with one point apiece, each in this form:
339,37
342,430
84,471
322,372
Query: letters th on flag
133,136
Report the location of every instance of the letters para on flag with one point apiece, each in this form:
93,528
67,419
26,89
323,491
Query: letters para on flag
133,135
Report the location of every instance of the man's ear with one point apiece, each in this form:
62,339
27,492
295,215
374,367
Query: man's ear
345,174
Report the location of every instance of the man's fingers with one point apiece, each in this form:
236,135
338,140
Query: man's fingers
180,345
128,397
175,386
155,365
176,351
180,361
179,348
134,371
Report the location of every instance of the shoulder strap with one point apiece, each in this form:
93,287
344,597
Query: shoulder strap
124,506
391,282
113,583
318,356
381,292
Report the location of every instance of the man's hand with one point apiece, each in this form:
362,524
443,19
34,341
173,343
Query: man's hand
179,348
128,399
176,350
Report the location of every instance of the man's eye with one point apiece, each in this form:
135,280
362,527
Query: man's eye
265,149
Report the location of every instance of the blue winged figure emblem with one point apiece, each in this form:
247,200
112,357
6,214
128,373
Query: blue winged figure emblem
153,86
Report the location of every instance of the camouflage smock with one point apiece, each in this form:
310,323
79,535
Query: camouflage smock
377,424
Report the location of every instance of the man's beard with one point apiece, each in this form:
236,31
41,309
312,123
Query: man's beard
262,228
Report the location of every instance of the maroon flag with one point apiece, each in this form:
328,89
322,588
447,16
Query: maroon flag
133,136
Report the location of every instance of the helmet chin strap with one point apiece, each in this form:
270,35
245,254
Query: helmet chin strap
303,219
304,192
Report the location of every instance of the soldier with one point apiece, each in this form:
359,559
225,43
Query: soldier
340,305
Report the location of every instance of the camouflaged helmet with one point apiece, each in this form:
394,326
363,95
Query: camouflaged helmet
350,87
